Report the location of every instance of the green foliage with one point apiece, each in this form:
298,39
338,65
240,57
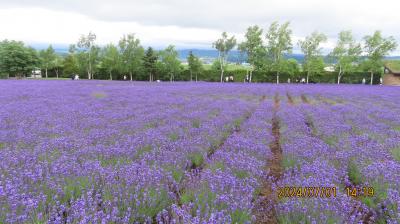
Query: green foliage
241,174
253,46
16,59
377,48
354,173
187,197
173,137
149,61
289,161
89,52
152,202
203,199
111,60
74,188
197,159
313,61
114,161
196,123
49,156
2,145
47,58
278,43
132,54
170,63
70,63
237,123
224,45
346,53
395,153
380,194
143,150
219,165
177,174
331,140
240,216
195,66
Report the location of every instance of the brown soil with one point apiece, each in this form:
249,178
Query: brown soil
304,98
265,211
290,99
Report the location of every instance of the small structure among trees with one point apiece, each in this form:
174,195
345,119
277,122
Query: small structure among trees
392,73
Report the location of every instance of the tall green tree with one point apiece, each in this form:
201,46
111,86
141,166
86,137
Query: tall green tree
16,59
253,47
170,61
346,54
86,44
311,49
224,45
149,61
58,64
110,59
47,58
278,43
291,67
132,54
195,65
376,48
70,64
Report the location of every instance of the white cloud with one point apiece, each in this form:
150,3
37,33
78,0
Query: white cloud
189,23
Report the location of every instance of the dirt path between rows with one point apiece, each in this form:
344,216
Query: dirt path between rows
265,210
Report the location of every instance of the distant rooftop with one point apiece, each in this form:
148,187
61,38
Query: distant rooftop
393,66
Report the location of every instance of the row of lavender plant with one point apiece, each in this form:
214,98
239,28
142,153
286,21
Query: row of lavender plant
104,153
227,189
353,136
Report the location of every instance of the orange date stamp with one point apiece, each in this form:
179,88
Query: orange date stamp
306,192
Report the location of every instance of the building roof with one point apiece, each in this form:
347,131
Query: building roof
393,66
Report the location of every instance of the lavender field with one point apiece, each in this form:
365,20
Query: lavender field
131,152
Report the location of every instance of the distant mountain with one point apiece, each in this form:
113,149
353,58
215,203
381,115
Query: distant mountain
234,56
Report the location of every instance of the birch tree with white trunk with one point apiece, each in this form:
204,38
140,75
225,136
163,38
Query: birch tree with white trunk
311,49
346,54
253,48
279,43
224,45
86,44
376,48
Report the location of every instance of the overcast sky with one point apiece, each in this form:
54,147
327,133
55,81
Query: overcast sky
189,24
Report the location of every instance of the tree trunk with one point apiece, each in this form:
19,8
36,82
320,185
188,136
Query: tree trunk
196,77
110,76
130,74
150,77
277,78
90,76
57,72
308,74
251,75
221,63
46,72
372,78
339,75
191,75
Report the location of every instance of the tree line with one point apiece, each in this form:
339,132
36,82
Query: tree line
265,52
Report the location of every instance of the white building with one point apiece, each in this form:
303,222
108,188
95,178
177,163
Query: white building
36,73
